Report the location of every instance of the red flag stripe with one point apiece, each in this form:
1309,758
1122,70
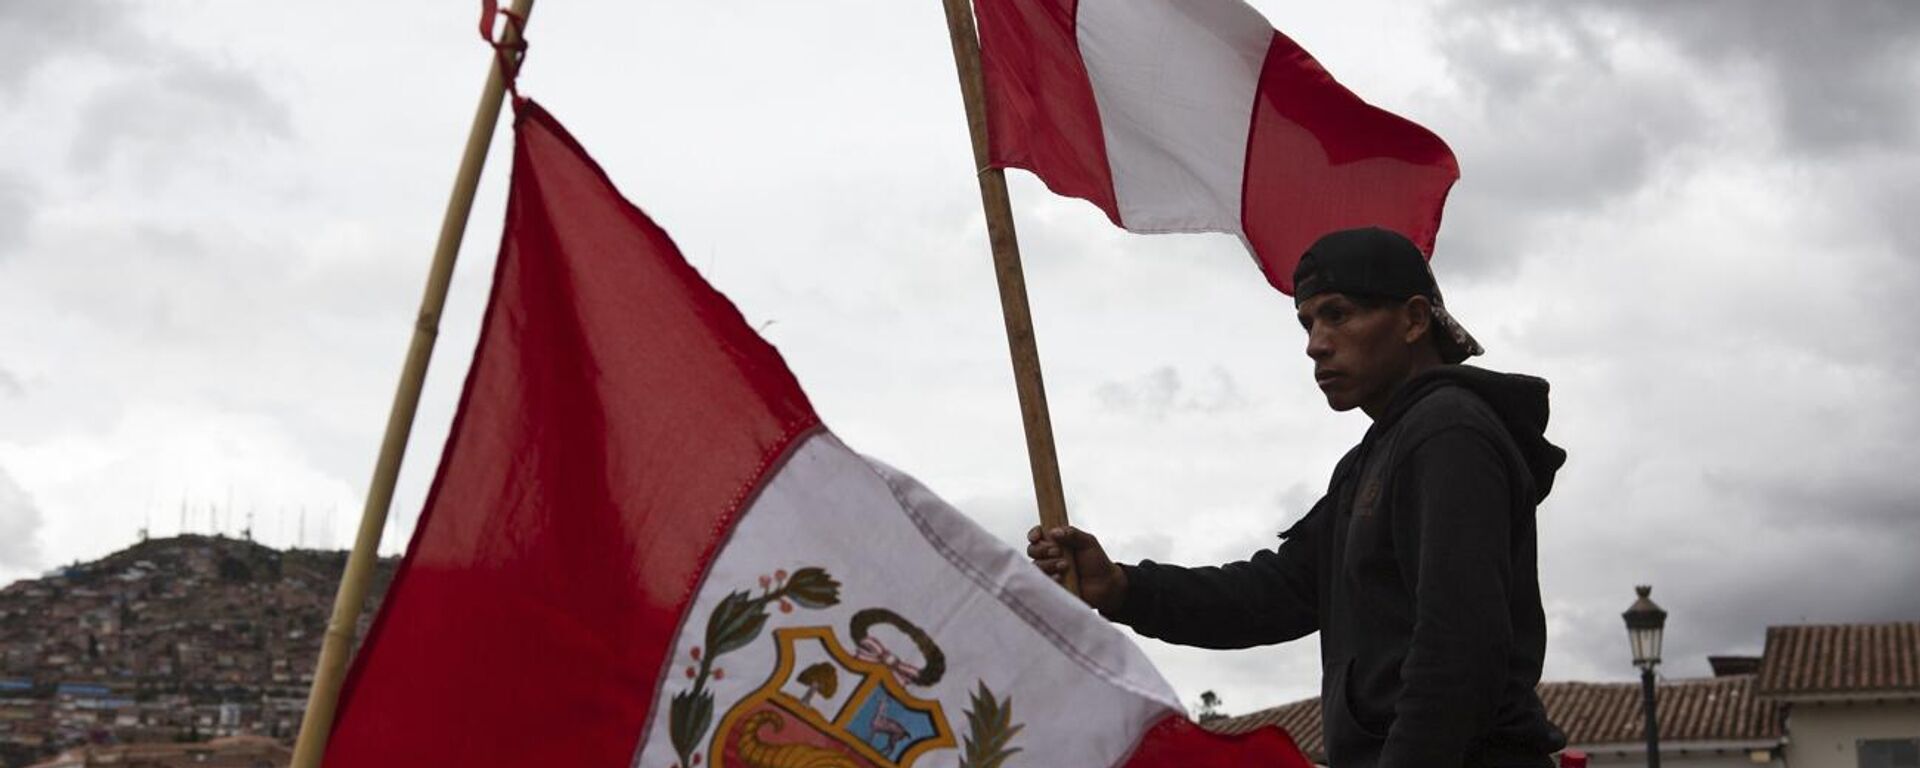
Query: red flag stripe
1177,741
542,571
1319,159
1041,114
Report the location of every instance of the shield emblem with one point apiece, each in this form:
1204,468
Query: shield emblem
826,708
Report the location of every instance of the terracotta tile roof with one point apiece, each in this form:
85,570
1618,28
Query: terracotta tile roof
1841,659
1709,709
1301,720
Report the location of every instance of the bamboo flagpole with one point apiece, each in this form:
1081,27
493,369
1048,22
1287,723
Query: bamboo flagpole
1045,463
317,724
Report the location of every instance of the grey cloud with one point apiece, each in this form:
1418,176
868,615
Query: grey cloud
1892,202
1723,593
1560,104
1843,72
1552,121
1246,681
173,244
10,385
1799,517
169,279
1884,189
1161,392
183,111
16,213
161,97
1568,107
1738,447
1863,501
19,527
1294,501
1007,517
1144,546
34,32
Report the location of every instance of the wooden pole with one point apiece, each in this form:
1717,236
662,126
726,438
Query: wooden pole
317,724
1013,282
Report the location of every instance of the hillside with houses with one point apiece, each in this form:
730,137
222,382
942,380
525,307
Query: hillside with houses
175,640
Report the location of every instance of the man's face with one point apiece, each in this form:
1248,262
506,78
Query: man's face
1360,355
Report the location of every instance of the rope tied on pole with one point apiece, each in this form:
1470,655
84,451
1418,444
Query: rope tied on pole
510,47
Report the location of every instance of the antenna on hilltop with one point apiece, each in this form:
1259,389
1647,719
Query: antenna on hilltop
326,532
247,532
300,538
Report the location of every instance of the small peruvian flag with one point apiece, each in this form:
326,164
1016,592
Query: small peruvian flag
1197,116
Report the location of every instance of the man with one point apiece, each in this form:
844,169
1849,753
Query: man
1417,567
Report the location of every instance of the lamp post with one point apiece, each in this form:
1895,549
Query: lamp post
1645,623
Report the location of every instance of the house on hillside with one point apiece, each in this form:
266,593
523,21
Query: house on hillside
1850,693
227,752
1844,696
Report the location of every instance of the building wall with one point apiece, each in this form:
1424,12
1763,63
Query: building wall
1823,735
1673,759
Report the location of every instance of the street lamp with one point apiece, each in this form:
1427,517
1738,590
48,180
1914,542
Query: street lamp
1645,623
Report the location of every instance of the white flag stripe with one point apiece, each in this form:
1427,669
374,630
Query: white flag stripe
997,620
1175,85
999,570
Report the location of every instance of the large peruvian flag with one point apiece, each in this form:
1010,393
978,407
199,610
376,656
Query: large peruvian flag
1197,116
642,548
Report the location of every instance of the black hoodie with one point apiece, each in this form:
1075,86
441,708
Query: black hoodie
1418,568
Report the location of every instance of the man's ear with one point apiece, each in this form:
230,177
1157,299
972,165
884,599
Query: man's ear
1419,317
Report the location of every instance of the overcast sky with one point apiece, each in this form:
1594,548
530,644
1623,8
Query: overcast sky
1698,220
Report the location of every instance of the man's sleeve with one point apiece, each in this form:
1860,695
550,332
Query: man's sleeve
1451,534
1269,598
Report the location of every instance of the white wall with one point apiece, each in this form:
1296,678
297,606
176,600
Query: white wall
1679,761
1823,735
1671,758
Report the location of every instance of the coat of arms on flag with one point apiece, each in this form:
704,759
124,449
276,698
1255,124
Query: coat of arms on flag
821,704
824,705
642,548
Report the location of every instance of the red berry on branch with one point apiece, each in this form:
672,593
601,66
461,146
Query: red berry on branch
786,607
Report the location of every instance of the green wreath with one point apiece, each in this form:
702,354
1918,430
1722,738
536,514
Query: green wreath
936,660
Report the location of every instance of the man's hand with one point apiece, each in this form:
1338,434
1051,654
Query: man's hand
1103,584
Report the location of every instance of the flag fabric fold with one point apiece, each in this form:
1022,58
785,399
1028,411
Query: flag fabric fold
642,548
1198,116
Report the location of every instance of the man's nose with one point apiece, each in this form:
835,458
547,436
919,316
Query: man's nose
1318,346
